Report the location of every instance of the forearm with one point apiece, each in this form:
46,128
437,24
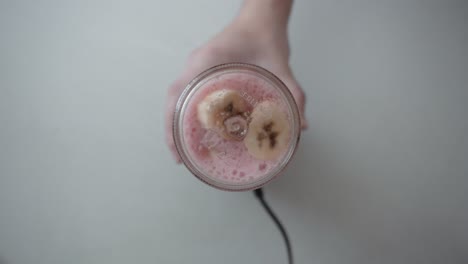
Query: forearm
266,14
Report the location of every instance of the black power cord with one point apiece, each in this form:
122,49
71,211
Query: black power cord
259,194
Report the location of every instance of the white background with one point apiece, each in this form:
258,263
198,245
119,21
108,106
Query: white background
85,175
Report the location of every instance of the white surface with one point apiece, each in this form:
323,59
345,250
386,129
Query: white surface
85,176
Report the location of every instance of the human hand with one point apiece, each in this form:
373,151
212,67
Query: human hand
241,41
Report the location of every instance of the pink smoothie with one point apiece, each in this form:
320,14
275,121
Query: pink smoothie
228,161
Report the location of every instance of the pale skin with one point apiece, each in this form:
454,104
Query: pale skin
257,35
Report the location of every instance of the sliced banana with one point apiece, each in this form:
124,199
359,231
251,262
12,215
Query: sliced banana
219,106
268,132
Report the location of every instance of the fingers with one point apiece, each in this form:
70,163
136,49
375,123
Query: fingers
299,97
174,92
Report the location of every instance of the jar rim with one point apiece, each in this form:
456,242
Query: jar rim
198,82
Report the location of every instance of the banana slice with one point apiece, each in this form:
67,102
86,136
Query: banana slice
268,132
220,106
